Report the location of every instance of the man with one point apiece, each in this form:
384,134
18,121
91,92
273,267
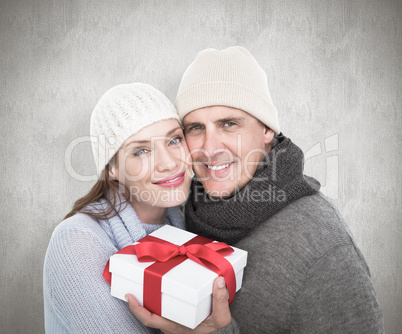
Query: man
304,274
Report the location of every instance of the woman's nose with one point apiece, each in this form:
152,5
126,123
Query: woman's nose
165,160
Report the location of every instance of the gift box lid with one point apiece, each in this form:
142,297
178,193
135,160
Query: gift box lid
189,280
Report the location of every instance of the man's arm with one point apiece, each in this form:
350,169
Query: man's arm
338,297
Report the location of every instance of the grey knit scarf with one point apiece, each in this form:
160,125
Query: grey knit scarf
278,181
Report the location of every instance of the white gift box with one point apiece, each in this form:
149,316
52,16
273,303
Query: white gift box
186,289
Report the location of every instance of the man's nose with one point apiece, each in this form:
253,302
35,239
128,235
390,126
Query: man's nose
212,143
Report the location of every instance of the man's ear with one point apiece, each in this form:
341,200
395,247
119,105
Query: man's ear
268,135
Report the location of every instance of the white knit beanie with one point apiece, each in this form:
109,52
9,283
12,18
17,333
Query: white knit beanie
232,78
123,111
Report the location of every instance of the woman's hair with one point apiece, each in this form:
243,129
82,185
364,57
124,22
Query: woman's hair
106,188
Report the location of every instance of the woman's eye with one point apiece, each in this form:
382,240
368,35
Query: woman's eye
175,140
140,151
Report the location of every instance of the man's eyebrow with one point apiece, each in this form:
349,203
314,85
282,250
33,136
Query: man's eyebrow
191,124
220,120
230,119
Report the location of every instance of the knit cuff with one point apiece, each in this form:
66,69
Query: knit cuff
229,329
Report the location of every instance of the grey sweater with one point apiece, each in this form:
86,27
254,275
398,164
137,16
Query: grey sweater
305,275
304,272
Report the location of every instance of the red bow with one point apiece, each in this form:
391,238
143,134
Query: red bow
167,255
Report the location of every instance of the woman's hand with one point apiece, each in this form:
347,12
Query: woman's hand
219,318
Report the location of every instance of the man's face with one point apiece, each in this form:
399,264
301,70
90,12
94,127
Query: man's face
226,145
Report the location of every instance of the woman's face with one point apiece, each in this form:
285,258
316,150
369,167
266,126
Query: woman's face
155,165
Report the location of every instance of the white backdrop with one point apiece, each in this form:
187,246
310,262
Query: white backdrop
334,70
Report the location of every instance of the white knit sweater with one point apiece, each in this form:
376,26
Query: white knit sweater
76,297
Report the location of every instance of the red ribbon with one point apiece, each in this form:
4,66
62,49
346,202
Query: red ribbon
167,256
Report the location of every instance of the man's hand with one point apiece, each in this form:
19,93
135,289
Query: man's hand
219,318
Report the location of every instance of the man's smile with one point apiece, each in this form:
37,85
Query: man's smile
218,167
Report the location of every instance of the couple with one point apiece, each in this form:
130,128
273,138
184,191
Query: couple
304,272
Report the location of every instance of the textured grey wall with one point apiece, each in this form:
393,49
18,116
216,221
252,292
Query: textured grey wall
334,70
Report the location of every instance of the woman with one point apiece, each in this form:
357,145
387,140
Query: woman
145,173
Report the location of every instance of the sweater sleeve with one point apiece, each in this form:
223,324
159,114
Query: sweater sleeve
229,329
338,297
77,298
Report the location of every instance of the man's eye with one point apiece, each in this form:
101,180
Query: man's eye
193,128
140,152
229,124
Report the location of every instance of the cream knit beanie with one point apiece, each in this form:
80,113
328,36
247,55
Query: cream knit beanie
232,78
123,111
